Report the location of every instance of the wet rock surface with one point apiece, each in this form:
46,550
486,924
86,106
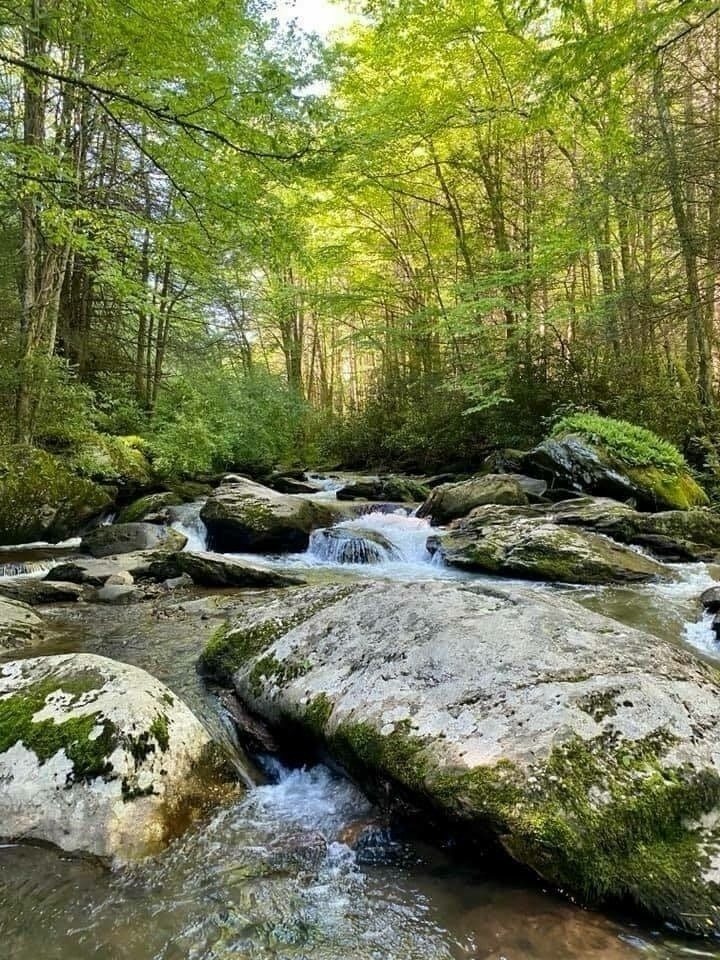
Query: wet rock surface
117,538
20,626
508,542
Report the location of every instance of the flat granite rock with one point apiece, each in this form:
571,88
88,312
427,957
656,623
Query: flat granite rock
587,750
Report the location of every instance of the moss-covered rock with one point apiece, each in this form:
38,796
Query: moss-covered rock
587,750
151,508
392,489
615,459
40,499
497,540
120,461
98,757
246,516
450,501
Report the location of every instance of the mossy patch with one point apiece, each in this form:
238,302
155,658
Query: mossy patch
398,755
280,672
41,499
317,713
110,459
626,442
676,491
87,749
140,509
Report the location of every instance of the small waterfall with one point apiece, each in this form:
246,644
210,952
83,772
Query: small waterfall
376,537
326,486
186,519
33,568
340,545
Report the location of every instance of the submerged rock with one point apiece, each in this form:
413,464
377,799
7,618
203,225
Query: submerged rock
450,501
587,750
573,463
500,541
116,538
19,626
245,516
99,757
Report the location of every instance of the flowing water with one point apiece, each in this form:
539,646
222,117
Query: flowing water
303,868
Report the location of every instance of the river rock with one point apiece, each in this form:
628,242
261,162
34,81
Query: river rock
36,592
98,757
496,540
216,570
587,750
149,509
246,516
571,462
117,593
392,489
19,626
116,538
450,501
96,572
680,535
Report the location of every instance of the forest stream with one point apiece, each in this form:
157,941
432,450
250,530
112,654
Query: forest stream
303,867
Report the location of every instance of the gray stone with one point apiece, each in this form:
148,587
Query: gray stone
392,489
149,509
245,516
209,569
117,593
588,750
710,599
36,592
96,572
450,501
98,757
117,538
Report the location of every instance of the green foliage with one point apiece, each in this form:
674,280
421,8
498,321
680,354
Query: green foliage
222,419
113,460
623,441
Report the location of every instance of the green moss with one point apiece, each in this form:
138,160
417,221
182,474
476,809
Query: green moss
279,671
677,491
632,445
159,729
317,713
109,459
40,499
398,755
599,704
139,509
227,650
603,819
45,738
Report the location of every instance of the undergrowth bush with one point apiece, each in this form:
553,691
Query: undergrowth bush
624,441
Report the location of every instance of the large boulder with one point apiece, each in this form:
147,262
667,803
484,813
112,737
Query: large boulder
450,501
587,750
19,625
692,534
110,459
573,463
117,538
496,540
96,572
246,516
98,757
40,499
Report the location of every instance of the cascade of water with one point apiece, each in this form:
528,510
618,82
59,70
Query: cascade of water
342,545
34,568
187,520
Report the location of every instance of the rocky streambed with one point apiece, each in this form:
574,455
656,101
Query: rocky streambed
549,748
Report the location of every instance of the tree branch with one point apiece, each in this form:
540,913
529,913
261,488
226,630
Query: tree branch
163,114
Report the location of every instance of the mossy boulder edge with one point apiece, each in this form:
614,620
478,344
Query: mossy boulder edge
40,499
587,750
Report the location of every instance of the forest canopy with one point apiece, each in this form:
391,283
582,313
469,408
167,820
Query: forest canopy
426,236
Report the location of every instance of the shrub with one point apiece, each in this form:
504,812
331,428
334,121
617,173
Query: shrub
623,441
